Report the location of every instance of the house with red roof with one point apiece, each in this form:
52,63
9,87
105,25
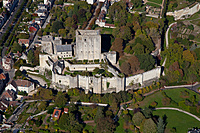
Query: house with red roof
56,114
24,42
8,95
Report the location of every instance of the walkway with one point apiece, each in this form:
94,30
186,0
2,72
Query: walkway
170,108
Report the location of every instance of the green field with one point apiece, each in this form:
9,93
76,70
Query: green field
174,94
156,1
177,119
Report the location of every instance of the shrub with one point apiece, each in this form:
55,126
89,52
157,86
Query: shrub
166,101
153,104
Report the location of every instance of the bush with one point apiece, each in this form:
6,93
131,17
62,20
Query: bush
153,104
166,101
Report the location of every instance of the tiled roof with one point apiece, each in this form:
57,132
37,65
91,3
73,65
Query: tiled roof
24,83
2,76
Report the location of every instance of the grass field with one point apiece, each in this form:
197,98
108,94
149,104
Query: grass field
181,121
156,1
174,94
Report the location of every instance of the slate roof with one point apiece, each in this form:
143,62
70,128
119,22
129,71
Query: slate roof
63,48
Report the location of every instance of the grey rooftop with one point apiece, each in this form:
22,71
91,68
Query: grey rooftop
63,48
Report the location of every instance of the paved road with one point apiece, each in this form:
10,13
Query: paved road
170,108
10,19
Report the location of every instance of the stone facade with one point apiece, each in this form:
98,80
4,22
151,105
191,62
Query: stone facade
88,45
184,13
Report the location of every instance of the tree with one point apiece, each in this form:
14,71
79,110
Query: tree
42,106
125,68
146,61
61,99
188,56
174,53
137,3
138,118
30,56
57,25
147,112
138,49
135,64
117,46
99,114
125,33
160,125
16,48
69,122
63,32
105,125
149,126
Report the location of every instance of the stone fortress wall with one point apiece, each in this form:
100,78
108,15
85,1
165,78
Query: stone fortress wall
105,84
180,14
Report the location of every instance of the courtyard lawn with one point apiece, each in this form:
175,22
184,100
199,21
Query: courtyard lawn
156,1
182,122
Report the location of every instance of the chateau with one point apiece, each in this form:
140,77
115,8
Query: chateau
87,50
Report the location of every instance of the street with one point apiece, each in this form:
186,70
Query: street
10,19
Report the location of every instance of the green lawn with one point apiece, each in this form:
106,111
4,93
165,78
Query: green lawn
174,94
177,119
156,1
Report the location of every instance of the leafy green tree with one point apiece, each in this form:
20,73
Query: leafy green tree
105,125
146,61
160,125
70,123
138,118
125,33
137,3
57,25
147,112
16,48
61,99
174,53
99,114
149,126
30,56
42,106
139,49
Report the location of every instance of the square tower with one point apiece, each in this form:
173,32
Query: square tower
88,45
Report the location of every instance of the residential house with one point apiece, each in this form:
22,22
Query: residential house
56,114
7,63
4,104
24,42
2,82
66,110
41,12
33,27
12,86
24,85
8,95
